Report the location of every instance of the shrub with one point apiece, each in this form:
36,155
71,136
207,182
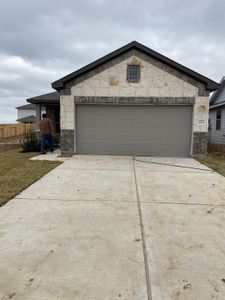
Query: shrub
31,141
55,139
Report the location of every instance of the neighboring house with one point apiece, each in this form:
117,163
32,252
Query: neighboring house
27,113
217,115
133,101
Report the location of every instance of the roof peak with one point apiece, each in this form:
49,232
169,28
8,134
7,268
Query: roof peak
210,84
216,94
222,79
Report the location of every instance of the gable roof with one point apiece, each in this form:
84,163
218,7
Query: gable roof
26,106
217,93
51,98
210,84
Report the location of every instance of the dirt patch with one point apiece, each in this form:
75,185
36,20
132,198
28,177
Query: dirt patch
216,149
10,143
11,140
187,286
5,147
215,161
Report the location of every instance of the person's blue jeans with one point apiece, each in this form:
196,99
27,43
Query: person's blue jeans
46,137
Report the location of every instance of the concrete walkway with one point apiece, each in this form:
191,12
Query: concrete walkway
50,156
108,227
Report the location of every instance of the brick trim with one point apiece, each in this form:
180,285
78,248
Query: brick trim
135,100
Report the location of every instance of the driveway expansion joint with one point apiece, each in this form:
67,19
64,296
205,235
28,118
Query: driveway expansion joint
183,203
148,281
96,169
75,200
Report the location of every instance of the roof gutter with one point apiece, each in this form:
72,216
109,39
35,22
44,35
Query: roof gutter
217,105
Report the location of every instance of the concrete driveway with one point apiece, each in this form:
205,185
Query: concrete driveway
108,227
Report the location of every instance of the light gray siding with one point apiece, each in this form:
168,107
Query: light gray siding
217,136
22,113
134,130
221,97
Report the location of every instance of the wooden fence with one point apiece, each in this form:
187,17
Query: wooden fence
13,130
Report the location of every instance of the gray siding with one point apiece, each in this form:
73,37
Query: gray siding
217,136
221,97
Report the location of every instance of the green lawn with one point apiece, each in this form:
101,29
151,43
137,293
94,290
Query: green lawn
215,162
18,172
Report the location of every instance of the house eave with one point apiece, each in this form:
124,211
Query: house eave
52,102
217,93
48,99
222,104
26,106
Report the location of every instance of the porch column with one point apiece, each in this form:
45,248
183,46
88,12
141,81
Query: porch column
38,117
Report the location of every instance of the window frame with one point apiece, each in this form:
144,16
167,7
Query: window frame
129,66
209,125
218,119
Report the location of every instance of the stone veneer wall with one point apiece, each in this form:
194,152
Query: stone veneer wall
67,142
200,141
157,81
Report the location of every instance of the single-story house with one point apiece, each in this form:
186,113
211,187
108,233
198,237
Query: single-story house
217,116
26,113
133,101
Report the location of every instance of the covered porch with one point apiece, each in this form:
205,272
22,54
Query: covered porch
50,104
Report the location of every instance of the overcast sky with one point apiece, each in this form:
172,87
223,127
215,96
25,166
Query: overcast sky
43,40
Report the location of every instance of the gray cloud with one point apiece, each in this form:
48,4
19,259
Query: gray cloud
42,40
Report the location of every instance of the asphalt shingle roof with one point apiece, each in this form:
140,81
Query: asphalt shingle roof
50,98
216,94
28,119
26,106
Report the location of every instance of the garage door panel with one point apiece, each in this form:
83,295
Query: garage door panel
134,130
120,136
131,149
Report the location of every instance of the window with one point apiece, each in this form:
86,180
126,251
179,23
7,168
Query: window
133,73
218,120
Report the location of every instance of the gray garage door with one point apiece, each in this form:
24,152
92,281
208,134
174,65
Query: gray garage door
134,130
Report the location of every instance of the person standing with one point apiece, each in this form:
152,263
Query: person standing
46,133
